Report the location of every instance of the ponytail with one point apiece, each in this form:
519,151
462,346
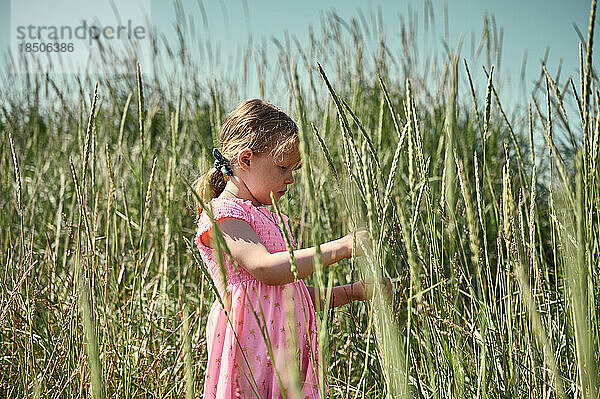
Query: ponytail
208,186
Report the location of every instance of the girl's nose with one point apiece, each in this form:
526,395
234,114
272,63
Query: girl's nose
289,178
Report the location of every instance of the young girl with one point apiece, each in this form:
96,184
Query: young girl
267,336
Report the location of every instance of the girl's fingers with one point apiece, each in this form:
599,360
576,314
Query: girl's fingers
389,288
368,286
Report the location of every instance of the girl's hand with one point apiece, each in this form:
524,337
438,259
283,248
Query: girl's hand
363,240
364,289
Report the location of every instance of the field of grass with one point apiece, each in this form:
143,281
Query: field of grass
487,223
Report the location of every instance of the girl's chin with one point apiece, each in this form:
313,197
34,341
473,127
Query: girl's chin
277,195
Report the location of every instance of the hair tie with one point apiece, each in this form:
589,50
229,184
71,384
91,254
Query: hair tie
221,163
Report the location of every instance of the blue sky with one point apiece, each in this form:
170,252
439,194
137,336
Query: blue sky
527,25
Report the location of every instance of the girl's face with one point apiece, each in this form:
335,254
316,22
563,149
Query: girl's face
264,174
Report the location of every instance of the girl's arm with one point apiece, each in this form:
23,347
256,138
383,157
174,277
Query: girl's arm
340,295
361,290
248,250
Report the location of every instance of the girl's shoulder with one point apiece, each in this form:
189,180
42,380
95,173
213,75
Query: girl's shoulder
232,206
260,218
224,207
233,201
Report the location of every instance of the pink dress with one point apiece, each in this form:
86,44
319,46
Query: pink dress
239,363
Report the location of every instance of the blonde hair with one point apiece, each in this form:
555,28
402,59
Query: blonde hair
254,124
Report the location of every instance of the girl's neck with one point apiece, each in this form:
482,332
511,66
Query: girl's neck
239,190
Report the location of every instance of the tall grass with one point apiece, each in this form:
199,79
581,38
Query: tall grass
487,223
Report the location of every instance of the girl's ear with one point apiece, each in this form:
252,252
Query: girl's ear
244,158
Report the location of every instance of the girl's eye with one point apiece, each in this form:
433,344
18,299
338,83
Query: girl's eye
282,167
